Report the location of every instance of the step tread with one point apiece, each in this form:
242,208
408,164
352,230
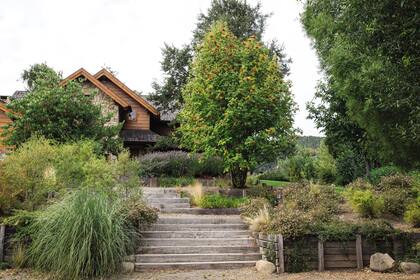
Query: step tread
199,254
192,263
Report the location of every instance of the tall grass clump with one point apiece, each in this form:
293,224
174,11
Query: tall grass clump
80,237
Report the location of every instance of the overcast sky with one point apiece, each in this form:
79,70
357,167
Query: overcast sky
127,35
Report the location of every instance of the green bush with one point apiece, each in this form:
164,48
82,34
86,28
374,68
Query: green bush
277,174
350,166
137,213
395,201
301,166
253,207
375,229
365,202
212,201
262,191
80,237
377,173
326,170
175,182
412,214
179,164
291,223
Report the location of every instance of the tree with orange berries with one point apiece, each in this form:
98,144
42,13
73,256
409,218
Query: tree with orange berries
237,104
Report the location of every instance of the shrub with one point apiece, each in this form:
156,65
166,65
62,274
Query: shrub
350,166
262,191
259,221
212,201
395,201
412,214
175,182
289,222
137,213
365,202
334,230
80,237
301,166
375,229
397,181
377,173
179,164
277,174
253,207
325,167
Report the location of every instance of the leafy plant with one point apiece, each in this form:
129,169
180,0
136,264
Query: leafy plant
175,182
211,201
262,191
412,214
291,223
253,207
80,237
228,71
365,202
137,213
377,173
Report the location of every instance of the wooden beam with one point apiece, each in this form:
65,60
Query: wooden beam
321,261
280,253
359,251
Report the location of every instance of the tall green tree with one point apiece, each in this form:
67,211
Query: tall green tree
370,54
243,19
237,104
61,113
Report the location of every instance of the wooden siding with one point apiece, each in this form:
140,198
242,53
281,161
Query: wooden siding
4,120
143,118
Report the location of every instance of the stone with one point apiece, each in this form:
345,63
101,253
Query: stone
127,267
381,262
130,258
265,267
410,267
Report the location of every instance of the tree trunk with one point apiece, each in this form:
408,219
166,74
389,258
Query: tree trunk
238,176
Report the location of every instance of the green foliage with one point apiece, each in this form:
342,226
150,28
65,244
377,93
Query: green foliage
262,191
175,182
278,174
179,164
137,213
412,214
63,114
350,166
301,166
377,173
326,171
289,222
80,237
365,202
335,230
164,144
252,208
375,229
368,51
212,201
242,19
41,170
237,106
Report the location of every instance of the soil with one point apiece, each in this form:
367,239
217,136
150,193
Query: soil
233,274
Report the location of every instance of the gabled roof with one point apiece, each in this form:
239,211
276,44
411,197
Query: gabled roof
3,108
82,72
144,103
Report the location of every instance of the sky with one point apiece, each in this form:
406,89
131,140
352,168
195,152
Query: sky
127,35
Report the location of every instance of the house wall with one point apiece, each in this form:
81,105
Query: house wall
107,104
143,117
4,120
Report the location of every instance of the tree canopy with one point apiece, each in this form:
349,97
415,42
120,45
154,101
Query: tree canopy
370,54
243,19
237,104
60,113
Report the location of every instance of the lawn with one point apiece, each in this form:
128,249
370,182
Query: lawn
276,184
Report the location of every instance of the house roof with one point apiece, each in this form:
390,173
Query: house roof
19,94
167,116
82,72
144,103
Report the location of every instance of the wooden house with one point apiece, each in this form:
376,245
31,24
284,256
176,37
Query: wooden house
143,124
4,120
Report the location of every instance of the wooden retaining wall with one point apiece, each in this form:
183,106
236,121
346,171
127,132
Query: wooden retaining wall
6,250
320,255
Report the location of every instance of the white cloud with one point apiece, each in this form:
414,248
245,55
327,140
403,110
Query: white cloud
128,35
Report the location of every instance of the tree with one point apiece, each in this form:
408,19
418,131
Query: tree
60,113
242,19
370,53
237,105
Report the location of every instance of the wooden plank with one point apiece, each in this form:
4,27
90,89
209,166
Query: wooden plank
340,264
340,257
340,251
321,265
280,253
338,244
359,251
2,240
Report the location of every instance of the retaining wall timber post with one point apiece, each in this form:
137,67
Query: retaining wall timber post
359,251
2,240
321,262
280,253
